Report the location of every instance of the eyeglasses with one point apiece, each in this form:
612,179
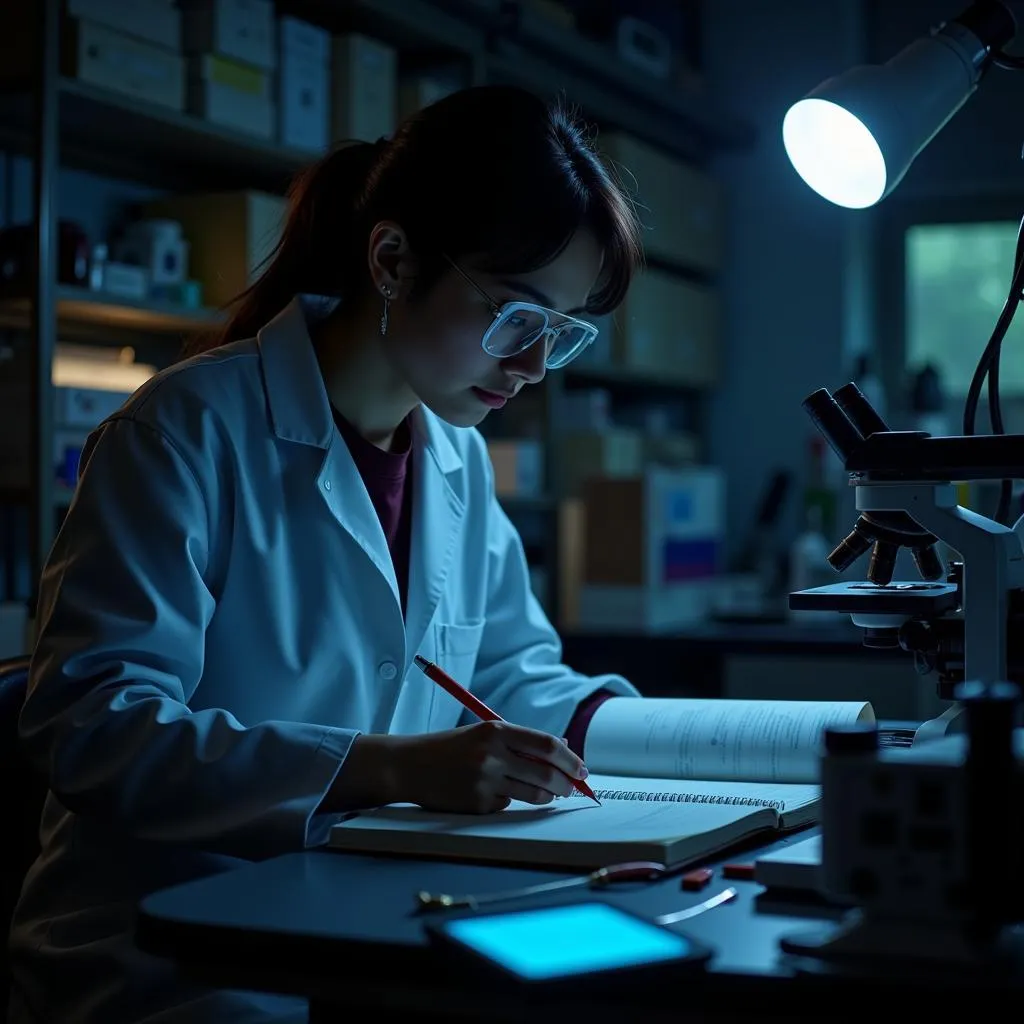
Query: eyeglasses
518,325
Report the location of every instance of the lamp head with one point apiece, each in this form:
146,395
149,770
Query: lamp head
854,137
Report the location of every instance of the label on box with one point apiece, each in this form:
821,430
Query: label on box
689,559
236,76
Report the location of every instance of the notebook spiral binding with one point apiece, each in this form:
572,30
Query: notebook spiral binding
682,798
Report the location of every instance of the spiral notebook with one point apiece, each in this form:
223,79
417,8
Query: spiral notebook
678,781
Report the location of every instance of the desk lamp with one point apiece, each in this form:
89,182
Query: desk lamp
854,137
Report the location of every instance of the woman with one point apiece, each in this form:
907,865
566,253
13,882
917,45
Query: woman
267,533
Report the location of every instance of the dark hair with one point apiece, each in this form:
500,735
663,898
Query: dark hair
491,171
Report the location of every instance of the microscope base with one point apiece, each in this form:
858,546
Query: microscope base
889,945
949,723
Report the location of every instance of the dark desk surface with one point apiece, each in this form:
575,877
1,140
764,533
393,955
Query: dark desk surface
340,929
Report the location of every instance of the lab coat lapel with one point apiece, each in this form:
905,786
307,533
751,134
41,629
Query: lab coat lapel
438,512
300,412
345,495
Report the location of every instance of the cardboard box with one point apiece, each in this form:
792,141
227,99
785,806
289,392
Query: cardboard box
653,550
364,85
682,207
518,467
611,454
155,21
671,328
242,30
231,94
663,527
101,56
230,234
304,83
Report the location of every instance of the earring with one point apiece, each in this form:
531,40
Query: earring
387,304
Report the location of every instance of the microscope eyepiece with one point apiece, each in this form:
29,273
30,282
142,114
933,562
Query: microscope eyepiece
860,412
833,424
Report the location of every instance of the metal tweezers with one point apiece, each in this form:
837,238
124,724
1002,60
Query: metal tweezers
632,871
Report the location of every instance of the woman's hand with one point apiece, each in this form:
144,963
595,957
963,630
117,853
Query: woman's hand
474,769
482,767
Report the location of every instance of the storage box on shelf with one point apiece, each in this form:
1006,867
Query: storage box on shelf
365,84
130,49
681,206
155,21
304,85
231,94
232,60
102,56
652,551
518,467
240,30
669,327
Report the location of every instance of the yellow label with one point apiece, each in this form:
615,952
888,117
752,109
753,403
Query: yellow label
237,76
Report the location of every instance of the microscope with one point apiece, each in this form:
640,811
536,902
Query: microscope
964,621
924,844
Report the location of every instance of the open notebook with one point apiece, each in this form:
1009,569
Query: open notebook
678,780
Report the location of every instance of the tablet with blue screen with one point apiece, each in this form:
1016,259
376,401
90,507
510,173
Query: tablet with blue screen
546,945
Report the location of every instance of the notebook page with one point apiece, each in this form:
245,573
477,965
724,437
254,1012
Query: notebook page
563,821
782,796
676,738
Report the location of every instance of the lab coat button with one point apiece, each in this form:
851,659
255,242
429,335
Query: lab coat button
387,670
327,485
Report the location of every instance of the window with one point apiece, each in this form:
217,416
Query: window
957,279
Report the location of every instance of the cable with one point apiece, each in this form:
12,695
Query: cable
995,409
988,366
1007,61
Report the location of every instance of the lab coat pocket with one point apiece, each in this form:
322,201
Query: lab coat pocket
455,650
457,647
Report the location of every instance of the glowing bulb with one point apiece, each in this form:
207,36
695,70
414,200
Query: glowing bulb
835,153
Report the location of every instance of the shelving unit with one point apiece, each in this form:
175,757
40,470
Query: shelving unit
108,133
63,122
84,312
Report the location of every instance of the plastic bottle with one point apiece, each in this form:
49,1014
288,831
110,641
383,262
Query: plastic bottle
808,564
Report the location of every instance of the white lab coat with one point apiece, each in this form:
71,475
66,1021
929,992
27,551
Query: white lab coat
219,620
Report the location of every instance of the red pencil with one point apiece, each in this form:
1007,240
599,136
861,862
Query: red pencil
479,708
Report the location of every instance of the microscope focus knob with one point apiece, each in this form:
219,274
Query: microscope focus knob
855,738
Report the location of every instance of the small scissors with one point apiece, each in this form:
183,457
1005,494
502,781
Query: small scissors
640,870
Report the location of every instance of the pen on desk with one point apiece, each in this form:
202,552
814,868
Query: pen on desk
438,675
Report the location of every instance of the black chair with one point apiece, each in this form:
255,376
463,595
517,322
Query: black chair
24,792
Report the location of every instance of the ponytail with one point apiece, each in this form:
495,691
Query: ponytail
317,251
